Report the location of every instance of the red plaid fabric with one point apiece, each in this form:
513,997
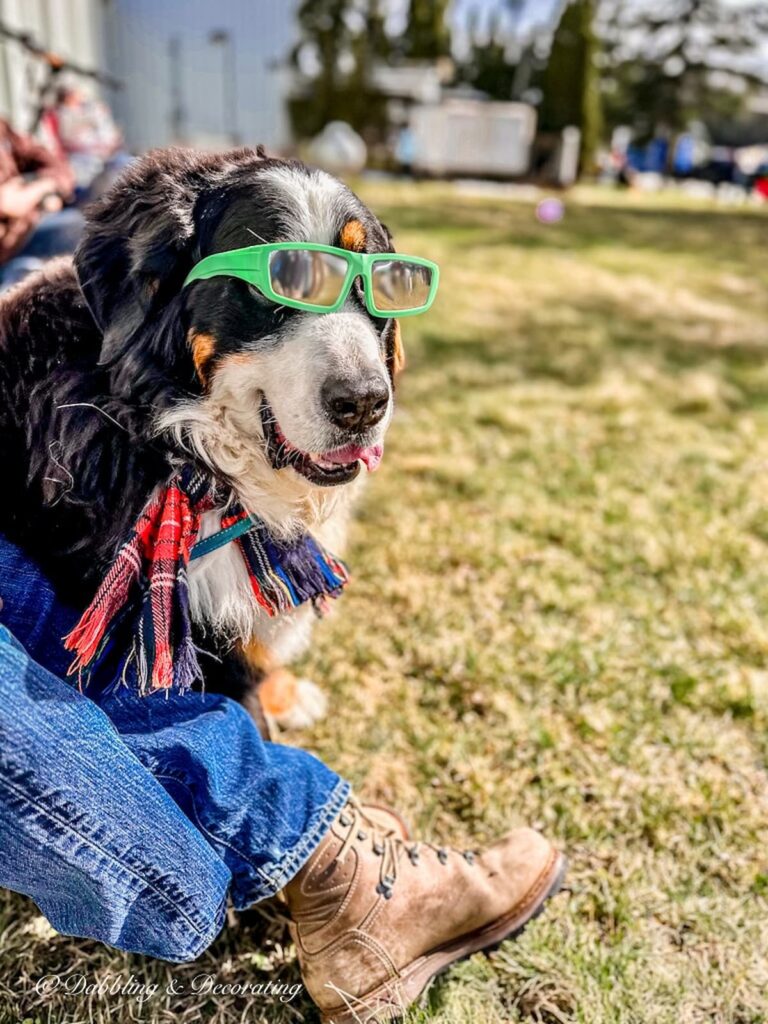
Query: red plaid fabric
153,562
158,548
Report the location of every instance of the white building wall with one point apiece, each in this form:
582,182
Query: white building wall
71,28
260,34
130,39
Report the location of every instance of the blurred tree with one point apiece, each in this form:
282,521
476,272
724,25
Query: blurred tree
570,82
667,62
495,56
323,30
370,46
505,66
427,35
489,66
341,41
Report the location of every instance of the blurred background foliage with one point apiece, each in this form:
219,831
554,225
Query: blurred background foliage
593,64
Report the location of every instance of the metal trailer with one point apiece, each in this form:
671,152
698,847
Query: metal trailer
472,137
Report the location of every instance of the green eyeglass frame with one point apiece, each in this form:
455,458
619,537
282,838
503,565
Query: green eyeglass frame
252,264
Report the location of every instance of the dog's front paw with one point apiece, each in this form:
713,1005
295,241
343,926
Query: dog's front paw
290,702
309,707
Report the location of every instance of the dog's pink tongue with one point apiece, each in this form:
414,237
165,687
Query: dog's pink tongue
352,452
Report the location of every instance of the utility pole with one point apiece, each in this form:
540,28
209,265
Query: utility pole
177,115
222,38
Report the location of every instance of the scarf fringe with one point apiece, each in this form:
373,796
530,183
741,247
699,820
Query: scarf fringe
187,670
85,639
283,576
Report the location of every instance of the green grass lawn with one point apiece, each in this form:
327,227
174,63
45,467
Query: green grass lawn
559,616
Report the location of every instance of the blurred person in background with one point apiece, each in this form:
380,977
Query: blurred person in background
84,132
760,182
35,185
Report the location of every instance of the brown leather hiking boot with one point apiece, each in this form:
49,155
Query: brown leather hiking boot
375,917
385,820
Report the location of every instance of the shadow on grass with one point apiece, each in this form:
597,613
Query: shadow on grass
728,235
600,334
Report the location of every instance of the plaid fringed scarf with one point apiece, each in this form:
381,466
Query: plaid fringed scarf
283,574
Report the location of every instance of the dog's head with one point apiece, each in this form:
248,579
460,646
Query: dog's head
281,402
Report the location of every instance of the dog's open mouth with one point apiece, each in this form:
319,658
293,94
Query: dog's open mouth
326,469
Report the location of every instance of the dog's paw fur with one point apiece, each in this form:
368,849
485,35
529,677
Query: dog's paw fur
290,702
310,706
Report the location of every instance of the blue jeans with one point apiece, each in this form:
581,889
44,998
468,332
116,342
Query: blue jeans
55,234
132,819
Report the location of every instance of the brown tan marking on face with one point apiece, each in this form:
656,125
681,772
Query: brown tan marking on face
353,236
203,347
398,350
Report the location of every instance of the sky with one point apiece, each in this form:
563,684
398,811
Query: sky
535,12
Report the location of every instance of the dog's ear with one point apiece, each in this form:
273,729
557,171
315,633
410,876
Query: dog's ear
136,248
395,353
393,337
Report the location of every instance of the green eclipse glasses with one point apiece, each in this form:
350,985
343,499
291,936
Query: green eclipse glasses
318,278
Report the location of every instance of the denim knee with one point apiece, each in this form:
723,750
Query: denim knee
88,833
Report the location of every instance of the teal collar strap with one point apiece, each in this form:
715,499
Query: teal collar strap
221,537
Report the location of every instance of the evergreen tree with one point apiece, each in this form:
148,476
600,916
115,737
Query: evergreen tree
489,67
427,35
499,63
662,56
345,39
570,82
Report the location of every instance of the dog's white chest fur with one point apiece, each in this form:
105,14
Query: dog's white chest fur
222,600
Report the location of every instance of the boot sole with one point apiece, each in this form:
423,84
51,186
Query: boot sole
389,1001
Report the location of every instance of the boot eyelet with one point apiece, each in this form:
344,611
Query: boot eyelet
362,835
384,890
469,856
413,854
344,820
442,856
378,849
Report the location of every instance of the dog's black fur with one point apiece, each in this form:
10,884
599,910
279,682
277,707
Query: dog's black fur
91,351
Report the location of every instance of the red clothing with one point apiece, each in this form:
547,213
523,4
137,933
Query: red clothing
20,155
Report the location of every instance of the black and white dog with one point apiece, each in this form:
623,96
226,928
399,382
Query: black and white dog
111,374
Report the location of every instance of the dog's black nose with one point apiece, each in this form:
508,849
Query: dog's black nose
355,405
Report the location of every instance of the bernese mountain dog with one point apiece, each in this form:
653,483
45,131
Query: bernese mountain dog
112,373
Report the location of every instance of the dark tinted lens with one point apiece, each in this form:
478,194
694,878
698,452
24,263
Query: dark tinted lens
306,275
400,285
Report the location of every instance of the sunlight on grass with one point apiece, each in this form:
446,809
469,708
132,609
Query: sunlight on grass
559,615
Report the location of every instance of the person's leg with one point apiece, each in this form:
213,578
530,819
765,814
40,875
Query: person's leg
375,915
88,833
263,807
17,268
56,234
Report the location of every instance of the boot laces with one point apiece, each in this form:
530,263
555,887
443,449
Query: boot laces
387,845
